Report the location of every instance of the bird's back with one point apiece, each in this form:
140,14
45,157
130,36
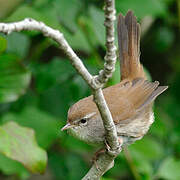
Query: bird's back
130,104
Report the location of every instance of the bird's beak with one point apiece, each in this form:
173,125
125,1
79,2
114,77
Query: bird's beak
67,126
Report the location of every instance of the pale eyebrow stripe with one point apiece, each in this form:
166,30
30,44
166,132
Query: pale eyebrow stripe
87,116
90,115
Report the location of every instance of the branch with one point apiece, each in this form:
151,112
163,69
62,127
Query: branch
105,161
106,73
110,57
31,24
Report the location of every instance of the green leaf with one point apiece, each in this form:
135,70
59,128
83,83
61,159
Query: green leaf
58,98
79,37
21,47
14,80
3,44
66,16
169,169
45,126
18,143
48,75
22,12
97,18
46,15
12,167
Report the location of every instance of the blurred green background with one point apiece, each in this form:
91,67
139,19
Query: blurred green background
38,85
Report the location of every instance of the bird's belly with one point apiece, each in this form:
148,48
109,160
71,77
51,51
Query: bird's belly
138,126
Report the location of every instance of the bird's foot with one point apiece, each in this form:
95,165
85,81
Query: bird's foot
120,140
108,149
114,152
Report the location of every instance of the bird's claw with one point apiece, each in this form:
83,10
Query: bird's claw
114,152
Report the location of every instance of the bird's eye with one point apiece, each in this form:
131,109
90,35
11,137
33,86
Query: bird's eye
83,121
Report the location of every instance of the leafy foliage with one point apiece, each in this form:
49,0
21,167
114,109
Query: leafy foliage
14,78
38,84
19,144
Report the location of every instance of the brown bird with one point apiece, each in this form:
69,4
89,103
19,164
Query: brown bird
130,102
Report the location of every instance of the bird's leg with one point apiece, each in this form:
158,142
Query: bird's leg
96,155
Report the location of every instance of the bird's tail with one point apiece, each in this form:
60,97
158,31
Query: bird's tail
129,45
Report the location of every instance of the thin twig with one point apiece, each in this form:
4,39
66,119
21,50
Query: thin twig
110,57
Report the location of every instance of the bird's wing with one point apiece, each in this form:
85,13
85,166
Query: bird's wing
129,45
126,99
